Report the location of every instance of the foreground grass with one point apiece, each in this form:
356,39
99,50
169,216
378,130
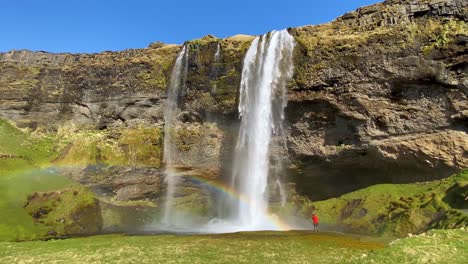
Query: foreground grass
261,247
435,246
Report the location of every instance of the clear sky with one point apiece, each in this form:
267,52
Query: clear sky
98,25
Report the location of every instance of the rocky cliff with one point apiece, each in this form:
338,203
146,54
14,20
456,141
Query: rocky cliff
378,96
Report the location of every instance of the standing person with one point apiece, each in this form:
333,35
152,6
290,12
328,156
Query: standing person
316,221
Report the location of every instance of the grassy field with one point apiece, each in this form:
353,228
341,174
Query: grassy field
435,246
438,246
261,247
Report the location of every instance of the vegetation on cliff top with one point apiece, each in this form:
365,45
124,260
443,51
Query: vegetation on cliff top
335,45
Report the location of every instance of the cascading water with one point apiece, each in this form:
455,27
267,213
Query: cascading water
267,67
215,69
176,90
217,55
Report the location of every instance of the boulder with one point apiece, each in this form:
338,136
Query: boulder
69,212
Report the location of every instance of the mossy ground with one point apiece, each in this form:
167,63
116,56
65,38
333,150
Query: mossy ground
65,212
397,209
15,222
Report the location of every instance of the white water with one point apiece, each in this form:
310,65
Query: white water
216,59
267,67
217,55
175,91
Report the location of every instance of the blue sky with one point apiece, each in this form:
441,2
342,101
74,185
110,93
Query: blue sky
98,25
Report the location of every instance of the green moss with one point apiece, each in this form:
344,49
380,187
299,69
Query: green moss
214,82
442,34
73,211
393,209
137,146
187,137
15,186
336,45
142,146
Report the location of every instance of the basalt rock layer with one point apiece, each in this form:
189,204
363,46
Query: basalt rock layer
378,96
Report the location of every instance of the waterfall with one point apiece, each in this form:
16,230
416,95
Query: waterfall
216,60
217,55
175,93
267,68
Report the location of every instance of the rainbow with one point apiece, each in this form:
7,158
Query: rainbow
274,220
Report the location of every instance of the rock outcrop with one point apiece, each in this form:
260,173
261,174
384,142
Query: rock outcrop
378,96
71,212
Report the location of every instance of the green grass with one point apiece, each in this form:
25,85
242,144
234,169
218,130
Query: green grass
435,246
397,209
69,211
261,247
24,146
20,175
15,222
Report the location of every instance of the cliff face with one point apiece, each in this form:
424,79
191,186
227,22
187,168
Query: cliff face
381,91
379,95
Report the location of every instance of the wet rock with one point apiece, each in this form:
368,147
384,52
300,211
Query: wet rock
136,192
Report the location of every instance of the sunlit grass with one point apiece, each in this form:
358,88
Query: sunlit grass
435,246
261,247
20,175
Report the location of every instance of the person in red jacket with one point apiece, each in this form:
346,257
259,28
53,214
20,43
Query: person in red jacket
316,221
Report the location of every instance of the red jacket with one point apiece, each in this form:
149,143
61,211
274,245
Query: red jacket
315,219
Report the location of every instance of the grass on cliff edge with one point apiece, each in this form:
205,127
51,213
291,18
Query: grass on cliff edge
21,158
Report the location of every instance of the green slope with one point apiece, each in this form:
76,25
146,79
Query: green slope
21,157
